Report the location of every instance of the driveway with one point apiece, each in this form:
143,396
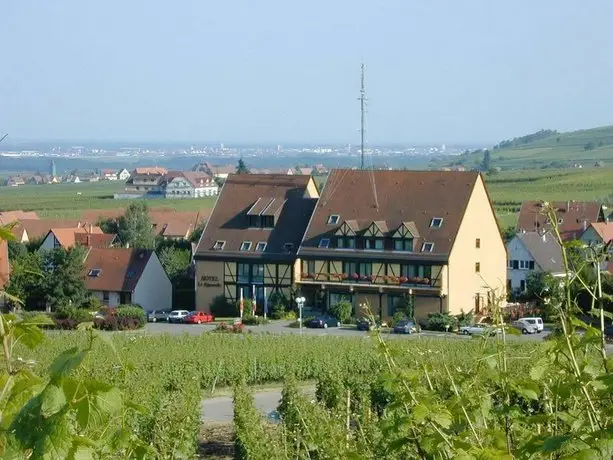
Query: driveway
221,409
281,327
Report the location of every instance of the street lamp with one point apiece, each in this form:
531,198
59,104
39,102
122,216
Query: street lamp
300,301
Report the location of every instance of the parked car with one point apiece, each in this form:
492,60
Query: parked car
479,329
405,326
365,324
324,321
525,327
535,321
158,315
608,333
177,316
199,317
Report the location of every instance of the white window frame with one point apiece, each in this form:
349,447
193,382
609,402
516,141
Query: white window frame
220,243
436,219
426,244
261,246
245,246
333,219
324,243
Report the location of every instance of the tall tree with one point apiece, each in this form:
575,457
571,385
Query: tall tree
241,167
487,160
134,227
64,284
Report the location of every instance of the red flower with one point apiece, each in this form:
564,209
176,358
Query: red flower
403,279
355,276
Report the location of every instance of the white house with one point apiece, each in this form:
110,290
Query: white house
119,276
109,174
532,251
123,175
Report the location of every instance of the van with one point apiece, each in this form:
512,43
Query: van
535,321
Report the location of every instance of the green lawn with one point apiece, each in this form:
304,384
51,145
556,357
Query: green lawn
69,200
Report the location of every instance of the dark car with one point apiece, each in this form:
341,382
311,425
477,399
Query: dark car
324,321
366,324
405,327
158,315
608,333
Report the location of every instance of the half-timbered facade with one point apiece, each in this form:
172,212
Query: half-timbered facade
378,236
250,241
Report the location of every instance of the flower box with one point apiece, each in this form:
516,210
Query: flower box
403,279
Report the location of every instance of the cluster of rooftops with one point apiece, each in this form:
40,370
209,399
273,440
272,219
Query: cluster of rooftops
410,212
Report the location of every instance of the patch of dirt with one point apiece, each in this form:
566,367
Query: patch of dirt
217,441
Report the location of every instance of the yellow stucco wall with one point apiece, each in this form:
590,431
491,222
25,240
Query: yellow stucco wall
209,283
311,190
464,283
426,305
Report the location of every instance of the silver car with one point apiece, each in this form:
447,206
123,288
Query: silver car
526,327
479,329
158,315
177,316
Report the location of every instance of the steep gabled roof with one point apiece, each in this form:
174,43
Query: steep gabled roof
67,236
284,195
604,230
545,250
120,269
412,198
8,217
38,228
573,217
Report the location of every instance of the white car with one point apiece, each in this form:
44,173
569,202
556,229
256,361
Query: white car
534,321
177,316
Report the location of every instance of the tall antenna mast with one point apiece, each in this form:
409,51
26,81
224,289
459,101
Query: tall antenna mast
362,100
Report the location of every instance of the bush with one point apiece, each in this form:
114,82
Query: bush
67,324
247,307
439,321
92,304
296,324
465,319
222,308
80,315
289,315
350,320
132,312
116,323
277,305
251,320
237,328
342,310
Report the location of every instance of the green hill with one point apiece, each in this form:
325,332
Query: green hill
546,148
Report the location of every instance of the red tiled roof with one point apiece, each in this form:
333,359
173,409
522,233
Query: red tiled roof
38,228
95,240
120,268
151,170
67,237
604,229
410,197
573,217
8,217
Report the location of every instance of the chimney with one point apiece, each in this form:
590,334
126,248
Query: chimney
584,224
91,228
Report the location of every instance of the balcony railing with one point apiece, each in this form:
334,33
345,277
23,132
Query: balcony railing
377,280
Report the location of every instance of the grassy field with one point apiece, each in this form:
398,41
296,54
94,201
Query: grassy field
69,200
556,150
509,188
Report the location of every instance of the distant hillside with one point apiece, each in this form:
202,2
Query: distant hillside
545,149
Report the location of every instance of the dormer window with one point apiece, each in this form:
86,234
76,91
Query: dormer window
219,245
374,243
245,245
94,272
427,247
436,222
403,244
324,243
333,219
261,246
289,247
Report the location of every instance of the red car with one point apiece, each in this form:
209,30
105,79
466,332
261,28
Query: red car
199,317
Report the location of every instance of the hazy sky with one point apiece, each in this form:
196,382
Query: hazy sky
288,71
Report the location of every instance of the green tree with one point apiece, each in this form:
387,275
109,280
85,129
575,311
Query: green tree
134,227
108,225
176,263
589,146
197,233
27,281
342,310
241,167
509,233
64,284
16,250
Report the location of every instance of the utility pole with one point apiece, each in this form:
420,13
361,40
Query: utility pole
362,100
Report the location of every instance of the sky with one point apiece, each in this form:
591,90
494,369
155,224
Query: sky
275,71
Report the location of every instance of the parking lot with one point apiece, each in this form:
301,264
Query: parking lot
282,327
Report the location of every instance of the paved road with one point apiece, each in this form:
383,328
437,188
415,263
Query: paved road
220,409
281,327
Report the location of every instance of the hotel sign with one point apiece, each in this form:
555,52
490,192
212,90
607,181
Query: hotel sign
209,281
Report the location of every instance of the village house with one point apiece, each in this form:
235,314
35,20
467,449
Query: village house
377,237
109,174
529,252
250,241
573,217
118,276
32,230
598,233
88,236
146,181
15,181
189,184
